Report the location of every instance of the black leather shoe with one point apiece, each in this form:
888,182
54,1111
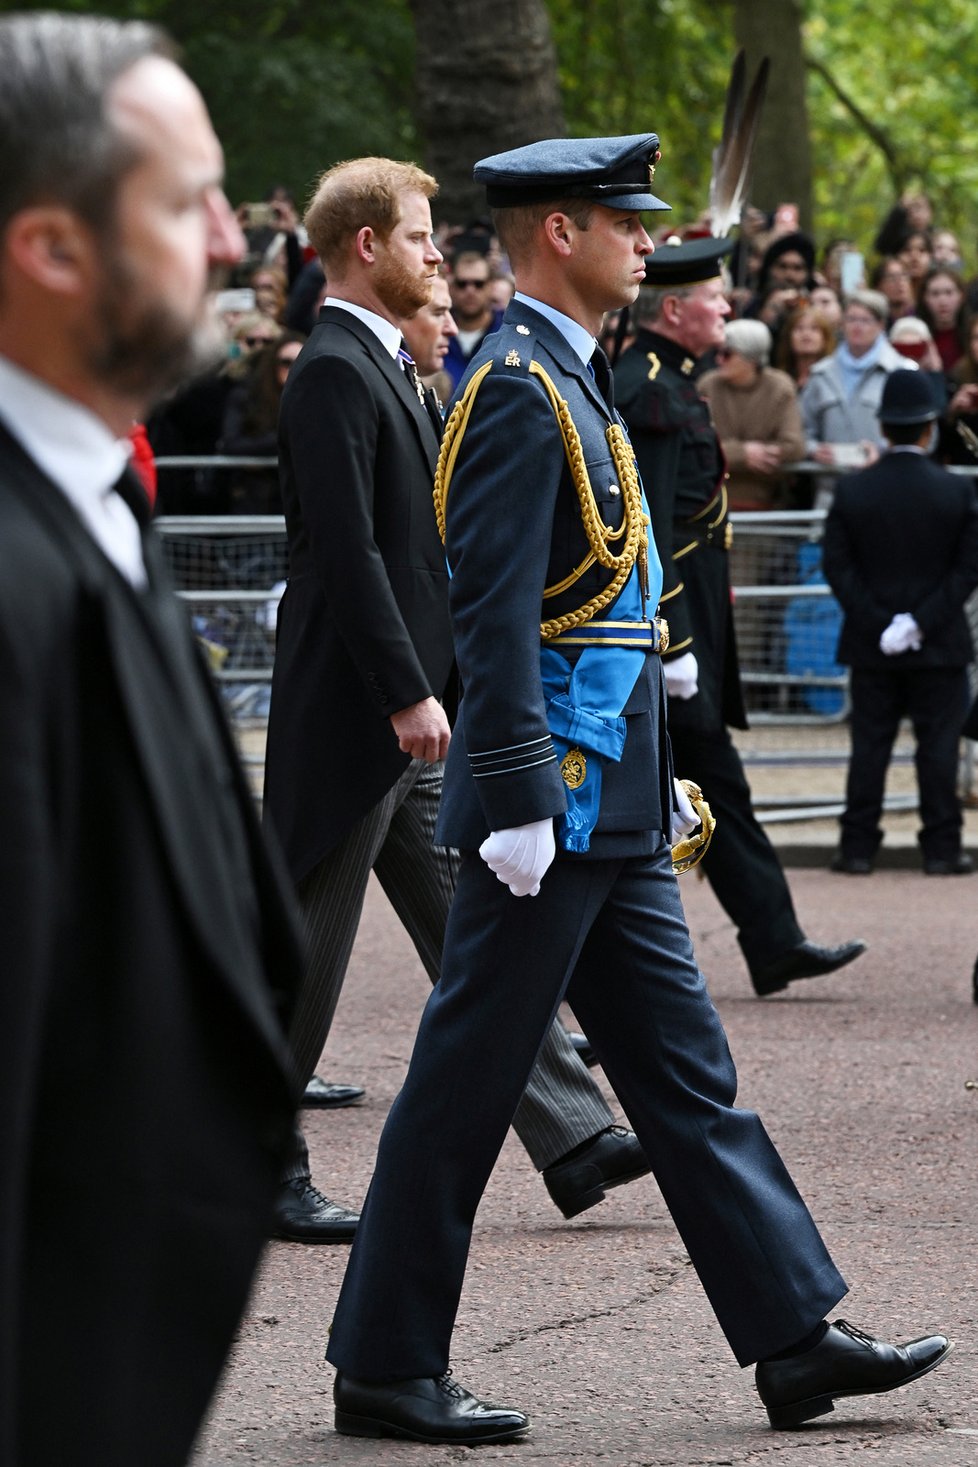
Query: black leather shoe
585,1049
959,865
303,1215
845,1362
807,960
580,1179
425,1410
851,865
323,1095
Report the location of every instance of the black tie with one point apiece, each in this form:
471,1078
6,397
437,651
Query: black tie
601,372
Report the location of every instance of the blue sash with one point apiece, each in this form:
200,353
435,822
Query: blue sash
584,708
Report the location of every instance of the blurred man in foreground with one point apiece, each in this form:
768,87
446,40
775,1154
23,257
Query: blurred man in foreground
144,1098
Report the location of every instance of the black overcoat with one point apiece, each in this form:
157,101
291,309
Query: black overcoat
149,955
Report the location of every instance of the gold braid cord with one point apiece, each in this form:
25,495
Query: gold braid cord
600,536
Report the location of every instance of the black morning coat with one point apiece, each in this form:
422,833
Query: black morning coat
363,628
149,957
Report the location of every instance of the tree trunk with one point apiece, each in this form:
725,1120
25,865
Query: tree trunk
782,159
486,73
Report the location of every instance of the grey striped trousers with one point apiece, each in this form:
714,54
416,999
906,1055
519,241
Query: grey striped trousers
562,1106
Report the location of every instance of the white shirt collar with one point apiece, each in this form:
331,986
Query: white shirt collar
386,332
83,458
580,340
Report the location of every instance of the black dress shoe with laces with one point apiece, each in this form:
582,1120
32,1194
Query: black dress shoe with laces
845,1362
807,960
580,1179
585,1049
436,1410
851,865
959,865
303,1215
325,1095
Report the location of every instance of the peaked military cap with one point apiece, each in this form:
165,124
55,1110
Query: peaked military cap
908,397
616,172
686,264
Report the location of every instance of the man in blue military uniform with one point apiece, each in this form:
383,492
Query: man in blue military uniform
680,314
559,787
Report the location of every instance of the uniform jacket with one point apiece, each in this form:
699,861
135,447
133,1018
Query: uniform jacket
902,535
513,529
363,627
684,474
149,959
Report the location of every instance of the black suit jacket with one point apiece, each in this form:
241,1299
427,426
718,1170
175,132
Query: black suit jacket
144,1094
902,535
363,627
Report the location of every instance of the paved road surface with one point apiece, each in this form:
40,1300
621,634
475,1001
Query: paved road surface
598,1328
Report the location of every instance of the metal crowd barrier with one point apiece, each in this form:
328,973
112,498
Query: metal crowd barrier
231,569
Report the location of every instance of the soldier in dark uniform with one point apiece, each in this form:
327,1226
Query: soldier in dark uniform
560,750
680,316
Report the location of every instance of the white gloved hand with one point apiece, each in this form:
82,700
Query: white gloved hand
685,818
521,856
682,676
902,635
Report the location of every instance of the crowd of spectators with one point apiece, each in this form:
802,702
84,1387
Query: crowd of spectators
838,322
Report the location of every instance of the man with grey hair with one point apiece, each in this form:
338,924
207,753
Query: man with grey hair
681,312
145,1099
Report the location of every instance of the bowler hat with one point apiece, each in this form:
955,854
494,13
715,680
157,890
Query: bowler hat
908,397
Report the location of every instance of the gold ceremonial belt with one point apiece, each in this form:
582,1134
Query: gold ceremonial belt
652,635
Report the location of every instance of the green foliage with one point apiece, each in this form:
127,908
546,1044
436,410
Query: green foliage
907,68
627,65
295,85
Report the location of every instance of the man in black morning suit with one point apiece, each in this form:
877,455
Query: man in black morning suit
561,749
357,731
901,555
149,953
680,314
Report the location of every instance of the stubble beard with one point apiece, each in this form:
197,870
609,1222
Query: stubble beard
400,290
144,350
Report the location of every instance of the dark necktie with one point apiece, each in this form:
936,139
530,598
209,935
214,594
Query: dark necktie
601,372
411,371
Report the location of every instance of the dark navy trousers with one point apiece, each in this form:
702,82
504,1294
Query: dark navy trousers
612,935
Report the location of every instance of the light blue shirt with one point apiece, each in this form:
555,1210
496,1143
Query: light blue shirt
580,340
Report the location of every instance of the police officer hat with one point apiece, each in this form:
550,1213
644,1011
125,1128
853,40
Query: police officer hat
908,397
675,263
615,172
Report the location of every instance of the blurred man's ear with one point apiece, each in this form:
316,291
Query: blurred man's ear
51,247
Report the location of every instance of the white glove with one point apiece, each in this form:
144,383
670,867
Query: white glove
902,635
681,676
521,856
685,818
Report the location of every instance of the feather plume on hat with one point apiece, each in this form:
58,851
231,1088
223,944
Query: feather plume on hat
733,155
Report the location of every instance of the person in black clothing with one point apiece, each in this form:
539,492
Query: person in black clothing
901,555
679,319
